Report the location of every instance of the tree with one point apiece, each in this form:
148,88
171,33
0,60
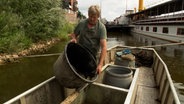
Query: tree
32,20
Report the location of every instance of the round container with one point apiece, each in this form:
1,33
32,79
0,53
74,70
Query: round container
118,76
75,66
124,62
120,61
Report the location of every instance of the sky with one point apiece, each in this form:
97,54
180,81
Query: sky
111,9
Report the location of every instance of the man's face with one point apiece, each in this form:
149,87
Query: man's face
93,19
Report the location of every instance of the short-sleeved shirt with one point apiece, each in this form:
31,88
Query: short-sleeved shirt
90,37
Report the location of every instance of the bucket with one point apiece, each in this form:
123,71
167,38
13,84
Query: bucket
118,76
75,66
124,59
120,61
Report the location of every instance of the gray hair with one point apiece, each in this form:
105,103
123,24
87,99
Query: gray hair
94,10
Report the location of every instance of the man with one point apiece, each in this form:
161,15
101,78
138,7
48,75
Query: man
92,34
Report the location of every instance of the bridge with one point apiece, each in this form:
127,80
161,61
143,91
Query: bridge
119,27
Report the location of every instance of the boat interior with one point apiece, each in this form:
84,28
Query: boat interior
149,85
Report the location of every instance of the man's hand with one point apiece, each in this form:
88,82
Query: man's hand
73,38
99,69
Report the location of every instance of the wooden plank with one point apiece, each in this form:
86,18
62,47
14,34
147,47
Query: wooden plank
70,98
23,100
159,76
162,85
165,93
155,63
146,77
146,95
170,98
130,98
147,92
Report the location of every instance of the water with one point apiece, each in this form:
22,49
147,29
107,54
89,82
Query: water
16,78
173,56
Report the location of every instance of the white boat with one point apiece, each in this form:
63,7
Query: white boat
149,85
162,28
163,21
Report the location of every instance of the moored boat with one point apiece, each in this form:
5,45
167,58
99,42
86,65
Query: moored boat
165,28
163,21
151,85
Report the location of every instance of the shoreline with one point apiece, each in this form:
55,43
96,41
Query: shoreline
41,46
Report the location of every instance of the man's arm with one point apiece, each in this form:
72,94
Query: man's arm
103,53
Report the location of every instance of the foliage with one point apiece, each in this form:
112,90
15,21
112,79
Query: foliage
65,4
40,17
12,38
67,29
14,43
25,21
80,15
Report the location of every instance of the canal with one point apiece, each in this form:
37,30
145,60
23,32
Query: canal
16,78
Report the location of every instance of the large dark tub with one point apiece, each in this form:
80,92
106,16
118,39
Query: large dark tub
75,66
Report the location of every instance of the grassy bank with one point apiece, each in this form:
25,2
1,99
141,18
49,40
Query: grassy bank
24,23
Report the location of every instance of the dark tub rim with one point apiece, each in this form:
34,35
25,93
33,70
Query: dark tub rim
71,66
130,73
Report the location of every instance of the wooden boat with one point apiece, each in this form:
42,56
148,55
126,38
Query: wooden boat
149,85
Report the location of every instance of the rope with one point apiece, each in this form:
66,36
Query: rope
171,44
70,98
152,46
43,55
74,95
54,54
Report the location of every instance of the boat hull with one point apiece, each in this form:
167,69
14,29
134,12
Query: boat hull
148,84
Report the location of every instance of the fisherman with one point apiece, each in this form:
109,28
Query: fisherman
92,34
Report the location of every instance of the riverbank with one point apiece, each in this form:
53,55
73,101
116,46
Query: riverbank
39,47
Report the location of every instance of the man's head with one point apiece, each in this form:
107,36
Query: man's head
93,14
